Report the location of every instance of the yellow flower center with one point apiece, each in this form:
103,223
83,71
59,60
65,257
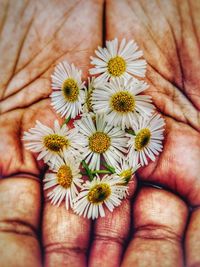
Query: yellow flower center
55,142
142,139
99,193
126,175
116,66
64,176
123,102
99,142
70,90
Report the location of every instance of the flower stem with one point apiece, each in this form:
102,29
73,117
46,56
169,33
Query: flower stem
66,121
109,168
101,171
88,171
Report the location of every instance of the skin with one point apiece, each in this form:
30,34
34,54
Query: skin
155,226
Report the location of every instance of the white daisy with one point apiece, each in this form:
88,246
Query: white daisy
65,180
118,60
125,171
147,141
97,194
101,139
122,102
68,90
50,142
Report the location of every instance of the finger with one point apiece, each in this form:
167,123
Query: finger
159,222
111,233
19,221
66,235
192,240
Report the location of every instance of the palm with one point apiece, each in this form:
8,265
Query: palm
173,79
26,87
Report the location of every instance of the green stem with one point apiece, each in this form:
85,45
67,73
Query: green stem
66,121
101,172
108,167
88,171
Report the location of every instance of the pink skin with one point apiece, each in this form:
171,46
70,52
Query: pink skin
35,36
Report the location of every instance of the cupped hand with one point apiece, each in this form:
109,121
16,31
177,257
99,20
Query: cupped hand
166,224
35,36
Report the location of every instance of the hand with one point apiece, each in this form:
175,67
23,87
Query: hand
158,231
35,36
166,225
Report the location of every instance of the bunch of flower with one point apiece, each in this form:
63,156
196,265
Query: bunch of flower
115,131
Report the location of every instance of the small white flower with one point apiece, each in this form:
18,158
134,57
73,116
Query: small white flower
68,90
49,143
97,194
147,141
65,180
122,61
101,139
125,171
122,102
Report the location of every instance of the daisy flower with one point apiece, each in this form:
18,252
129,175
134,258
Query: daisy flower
122,102
147,141
125,171
50,142
101,139
118,60
65,179
68,90
98,194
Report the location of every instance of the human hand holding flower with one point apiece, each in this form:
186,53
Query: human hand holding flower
158,231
